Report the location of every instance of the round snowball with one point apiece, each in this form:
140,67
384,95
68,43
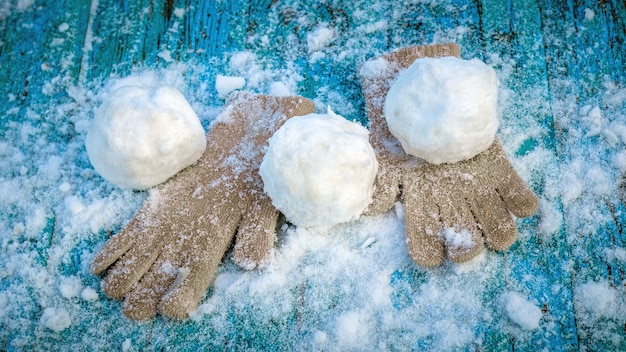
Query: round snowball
319,170
444,110
141,136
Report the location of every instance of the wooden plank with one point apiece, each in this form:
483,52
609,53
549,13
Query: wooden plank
40,58
514,34
585,52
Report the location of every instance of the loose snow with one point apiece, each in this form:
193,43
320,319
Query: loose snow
57,319
226,84
599,299
521,311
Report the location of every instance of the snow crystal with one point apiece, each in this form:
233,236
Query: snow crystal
57,319
521,311
444,110
5,10
471,265
259,75
353,329
74,204
368,242
320,338
373,68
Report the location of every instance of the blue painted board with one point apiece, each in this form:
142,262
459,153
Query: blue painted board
557,60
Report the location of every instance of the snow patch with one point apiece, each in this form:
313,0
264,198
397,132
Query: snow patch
89,294
457,239
57,319
521,311
321,37
126,345
226,84
70,287
599,300
353,329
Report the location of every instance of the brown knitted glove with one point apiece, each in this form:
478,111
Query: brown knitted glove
168,254
449,209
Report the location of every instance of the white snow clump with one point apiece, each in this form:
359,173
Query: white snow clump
444,110
226,84
319,170
57,319
143,135
521,311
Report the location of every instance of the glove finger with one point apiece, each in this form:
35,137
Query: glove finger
498,226
256,234
257,231
144,226
460,231
115,247
130,268
141,303
386,189
520,199
422,226
204,256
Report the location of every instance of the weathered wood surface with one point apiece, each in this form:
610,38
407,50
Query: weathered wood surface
557,59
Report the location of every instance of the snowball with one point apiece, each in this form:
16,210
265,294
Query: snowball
521,311
57,319
444,110
141,136
319,170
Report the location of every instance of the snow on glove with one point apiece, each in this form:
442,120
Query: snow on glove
168,254
450,209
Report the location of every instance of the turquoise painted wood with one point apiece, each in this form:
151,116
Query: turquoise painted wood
557,60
